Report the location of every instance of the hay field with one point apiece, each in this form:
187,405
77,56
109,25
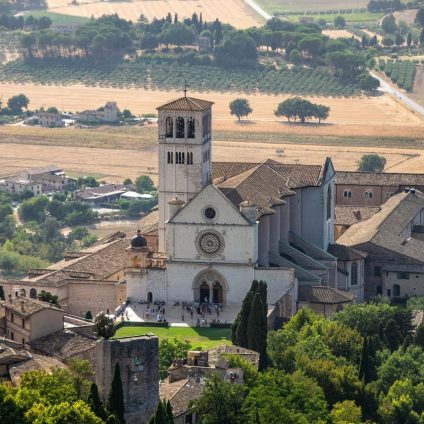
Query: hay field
339,33
366,116
134,152
234,12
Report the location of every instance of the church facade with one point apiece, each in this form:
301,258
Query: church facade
221,225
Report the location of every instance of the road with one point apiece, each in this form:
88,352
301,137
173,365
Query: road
388,88
258,9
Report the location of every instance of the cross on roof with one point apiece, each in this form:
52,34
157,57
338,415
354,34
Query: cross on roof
185,89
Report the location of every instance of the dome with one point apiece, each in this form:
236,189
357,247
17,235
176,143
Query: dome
138,240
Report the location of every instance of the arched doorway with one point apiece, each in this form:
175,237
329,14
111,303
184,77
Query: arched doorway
150,297
33,294
210,284
204,292
217,295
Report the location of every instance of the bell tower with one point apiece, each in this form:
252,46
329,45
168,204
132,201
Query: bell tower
185,156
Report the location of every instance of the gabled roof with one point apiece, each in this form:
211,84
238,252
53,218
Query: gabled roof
378,178
324,294
349,215
345,253
385,228
188,104
27,307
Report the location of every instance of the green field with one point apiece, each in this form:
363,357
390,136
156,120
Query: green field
199,338
272,6
59,18
350,18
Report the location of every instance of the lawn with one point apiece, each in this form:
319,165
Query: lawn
199,338
59,18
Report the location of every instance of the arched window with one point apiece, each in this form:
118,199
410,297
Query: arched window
329,202
396,290
368,195
354,274
33,294
347,193
169,123
189,158
180,127
190,128
170,157
150,297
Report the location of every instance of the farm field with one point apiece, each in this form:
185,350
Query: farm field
377,115
234,12
272,6
350,18
135,153
199,338
339,33
418,90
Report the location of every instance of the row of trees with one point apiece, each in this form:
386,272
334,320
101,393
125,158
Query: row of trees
20,22
362,365
298,108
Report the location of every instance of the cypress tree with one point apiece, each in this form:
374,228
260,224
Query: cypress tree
419,336
95,402
163,414
115,404
256,329
241,332
262,287
363,365
169,413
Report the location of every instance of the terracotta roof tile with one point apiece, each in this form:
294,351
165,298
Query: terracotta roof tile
323,294
345,253
378,178
188,104
27,307
349,215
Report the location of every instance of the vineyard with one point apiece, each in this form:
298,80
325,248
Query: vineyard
166,76
9,45
400,72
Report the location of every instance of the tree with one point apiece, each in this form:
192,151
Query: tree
399,39
366,366
220,402
170,350
149,41
409,40
48,297
81,372
257,329
95,403
418,336
52,109
240,108
369,83
104,326
17,103
388,24
422,37
127,181
239,331
419,17
371,163
302,109
339,22
88,315
144,183
163,414
115,404
321,112
346,412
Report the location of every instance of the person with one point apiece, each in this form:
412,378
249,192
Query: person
182,317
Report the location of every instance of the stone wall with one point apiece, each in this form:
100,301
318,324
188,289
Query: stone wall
138,358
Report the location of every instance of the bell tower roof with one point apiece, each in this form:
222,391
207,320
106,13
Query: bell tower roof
188,104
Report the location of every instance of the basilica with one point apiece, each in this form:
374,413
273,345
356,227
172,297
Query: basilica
220,225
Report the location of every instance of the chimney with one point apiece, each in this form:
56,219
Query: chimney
174,206
248,210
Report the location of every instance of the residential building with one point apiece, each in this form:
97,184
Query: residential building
372,189
50,119
102,194
15,185
108,114
393,242
52,178
29,319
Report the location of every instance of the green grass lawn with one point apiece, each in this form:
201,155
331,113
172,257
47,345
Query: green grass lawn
199,338
349,17
59,18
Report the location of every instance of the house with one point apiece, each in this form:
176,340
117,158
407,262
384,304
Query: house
102,194
16,185
372,189
393,242
89,280
30,319
186,378
108,114
345,216
50,120
51,177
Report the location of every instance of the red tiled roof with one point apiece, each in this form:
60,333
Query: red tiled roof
186,104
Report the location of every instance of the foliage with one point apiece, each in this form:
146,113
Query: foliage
163,414
295,397
17,103
240,108
115,403
339,22
402,72
367,370
237,52
220,402
95,403
419,17
371,163
49,298
388,24
369,83
170,350
104,326
302,109
346,412
257,329
250,373
144,184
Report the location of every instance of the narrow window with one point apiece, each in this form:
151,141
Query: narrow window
182,158
170,157
190,128
377,271
169,123
354,274
180,127
403,275
396,290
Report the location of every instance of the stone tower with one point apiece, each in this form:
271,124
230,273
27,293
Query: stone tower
138,359
185,156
